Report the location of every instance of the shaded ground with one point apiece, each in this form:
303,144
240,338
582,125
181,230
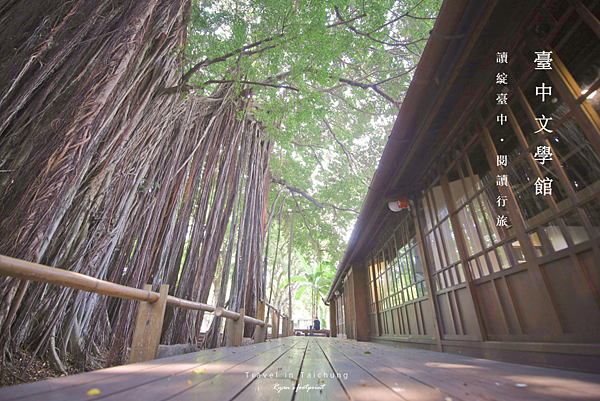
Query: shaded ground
14,372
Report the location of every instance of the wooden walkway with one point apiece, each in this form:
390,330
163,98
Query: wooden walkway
316,368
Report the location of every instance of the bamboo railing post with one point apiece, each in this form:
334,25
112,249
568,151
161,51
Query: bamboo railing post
148,327
260,332
275,329
235,330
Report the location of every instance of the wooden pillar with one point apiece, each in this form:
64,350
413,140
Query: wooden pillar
291,331
332,318
235,330
260,332
275,328
284,326
148,327
360,281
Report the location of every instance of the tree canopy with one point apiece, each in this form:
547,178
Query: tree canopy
327,79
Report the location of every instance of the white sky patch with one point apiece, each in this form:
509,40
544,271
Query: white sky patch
347,234
363,141
224,32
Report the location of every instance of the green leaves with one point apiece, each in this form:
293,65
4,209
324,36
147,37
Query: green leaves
335,53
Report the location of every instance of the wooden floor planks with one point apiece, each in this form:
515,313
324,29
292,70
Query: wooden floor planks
316,368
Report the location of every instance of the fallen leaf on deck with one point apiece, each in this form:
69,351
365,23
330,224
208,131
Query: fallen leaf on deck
94,391
198,371
367,352
294,380
321,380
189,382
363,384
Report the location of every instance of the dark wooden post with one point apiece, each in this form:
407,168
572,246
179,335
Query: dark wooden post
360,281
260,332
235,330
332,318
148,327
275,328
285,326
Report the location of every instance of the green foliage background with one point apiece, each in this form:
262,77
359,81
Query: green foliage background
342,69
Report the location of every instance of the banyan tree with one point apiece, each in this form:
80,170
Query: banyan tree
106,173
135,147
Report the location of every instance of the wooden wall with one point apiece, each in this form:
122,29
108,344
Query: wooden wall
528,292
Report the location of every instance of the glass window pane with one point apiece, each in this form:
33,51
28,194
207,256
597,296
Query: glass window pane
533,207
538,244
461,272
451,248
494,261
440,247
416,259
406,272
484,266
555,235
474,269
563,201
454,275
504,261
456,188
469,230
592,211
577,157
439,284
439,202
449,282
481,220
433,252
575,228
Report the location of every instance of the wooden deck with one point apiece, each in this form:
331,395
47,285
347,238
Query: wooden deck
316,368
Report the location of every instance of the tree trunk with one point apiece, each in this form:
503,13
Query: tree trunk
110,177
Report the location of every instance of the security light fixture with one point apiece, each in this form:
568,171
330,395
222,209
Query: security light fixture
396,206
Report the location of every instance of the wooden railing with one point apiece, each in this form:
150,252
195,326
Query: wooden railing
148,328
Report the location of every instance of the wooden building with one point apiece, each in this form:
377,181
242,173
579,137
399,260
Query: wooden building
499,254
